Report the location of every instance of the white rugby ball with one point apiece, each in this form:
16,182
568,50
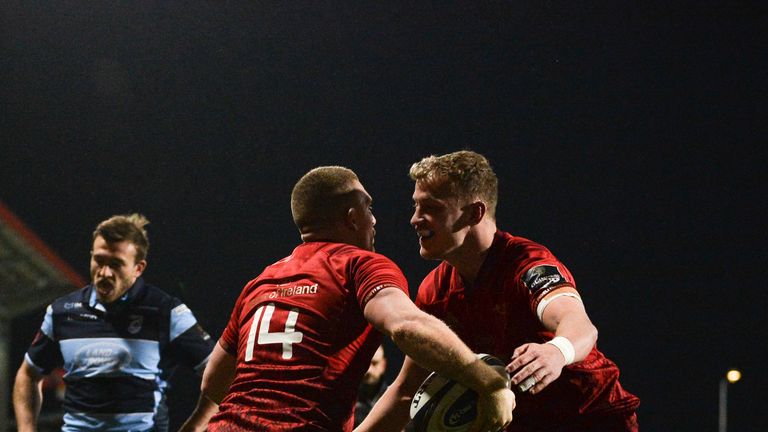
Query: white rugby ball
443,405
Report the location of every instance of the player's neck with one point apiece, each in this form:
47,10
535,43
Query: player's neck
330,234
468,259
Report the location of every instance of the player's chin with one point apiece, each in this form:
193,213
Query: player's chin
428,253
104,289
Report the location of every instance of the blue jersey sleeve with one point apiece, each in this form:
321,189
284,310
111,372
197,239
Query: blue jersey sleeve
44,354
190,344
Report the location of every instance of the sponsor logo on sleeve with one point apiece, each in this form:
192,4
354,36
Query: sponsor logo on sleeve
542,277
181,309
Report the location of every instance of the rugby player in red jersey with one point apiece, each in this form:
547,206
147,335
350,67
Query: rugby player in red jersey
302,334
509,297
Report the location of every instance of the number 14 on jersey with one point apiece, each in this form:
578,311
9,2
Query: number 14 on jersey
287,338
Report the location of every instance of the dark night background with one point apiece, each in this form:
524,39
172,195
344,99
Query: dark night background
628,138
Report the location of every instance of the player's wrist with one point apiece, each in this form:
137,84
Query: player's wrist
482,378
566,348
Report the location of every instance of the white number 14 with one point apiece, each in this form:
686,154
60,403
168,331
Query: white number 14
287,338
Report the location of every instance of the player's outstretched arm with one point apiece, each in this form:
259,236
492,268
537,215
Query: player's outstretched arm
217,377
538,365
433,346
27,397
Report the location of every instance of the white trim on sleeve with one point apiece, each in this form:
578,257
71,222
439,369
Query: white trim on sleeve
544,303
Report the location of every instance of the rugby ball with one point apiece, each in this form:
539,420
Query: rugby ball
443,405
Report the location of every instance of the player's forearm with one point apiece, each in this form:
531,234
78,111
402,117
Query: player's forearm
390,413
27,400
218,375
198,420
566,317
580,331
433,346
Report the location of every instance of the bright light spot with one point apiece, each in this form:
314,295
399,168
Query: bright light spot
733,375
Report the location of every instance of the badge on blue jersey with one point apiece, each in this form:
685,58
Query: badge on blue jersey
134,323
543,277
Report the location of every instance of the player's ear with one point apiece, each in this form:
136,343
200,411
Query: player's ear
140,266
477,211
351,218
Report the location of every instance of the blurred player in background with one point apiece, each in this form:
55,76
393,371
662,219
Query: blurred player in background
372,386
117,340
302,334
510,297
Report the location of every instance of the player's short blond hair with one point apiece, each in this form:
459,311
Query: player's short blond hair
322,196
129,227
466,174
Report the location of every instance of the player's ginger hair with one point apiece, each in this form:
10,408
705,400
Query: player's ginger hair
466,174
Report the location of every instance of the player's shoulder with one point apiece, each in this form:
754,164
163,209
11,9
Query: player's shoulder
516,247
533,263
351,252
70,301
515,241
154,296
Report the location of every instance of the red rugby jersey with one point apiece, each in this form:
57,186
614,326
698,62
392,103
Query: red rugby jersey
498,313
301,340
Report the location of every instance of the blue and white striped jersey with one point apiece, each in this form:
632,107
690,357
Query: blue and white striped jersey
117,357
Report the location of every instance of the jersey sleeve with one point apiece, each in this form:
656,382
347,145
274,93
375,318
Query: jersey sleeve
44,353
372,273
189,343
542,273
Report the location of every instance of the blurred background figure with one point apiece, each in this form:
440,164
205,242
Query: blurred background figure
372,387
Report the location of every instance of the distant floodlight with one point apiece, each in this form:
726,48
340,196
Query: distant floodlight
733,375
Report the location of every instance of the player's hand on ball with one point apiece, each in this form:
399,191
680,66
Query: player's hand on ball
535,366
441,404
494,410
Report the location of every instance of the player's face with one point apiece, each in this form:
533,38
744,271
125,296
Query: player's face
364,218
439,220
114,268
376,369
